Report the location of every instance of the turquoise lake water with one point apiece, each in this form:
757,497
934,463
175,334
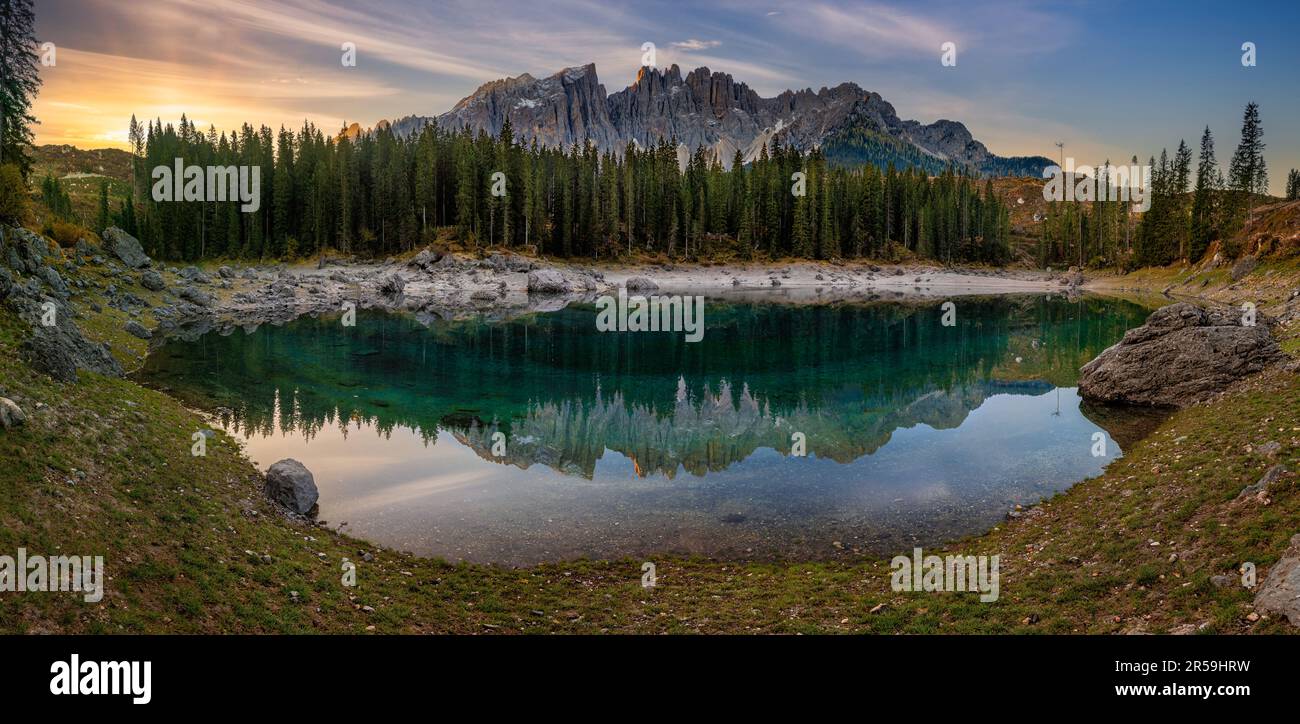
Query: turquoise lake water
630,444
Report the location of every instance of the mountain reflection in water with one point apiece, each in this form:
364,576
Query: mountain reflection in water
638,443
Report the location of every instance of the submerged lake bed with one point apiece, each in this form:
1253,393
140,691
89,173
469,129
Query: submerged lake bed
540,438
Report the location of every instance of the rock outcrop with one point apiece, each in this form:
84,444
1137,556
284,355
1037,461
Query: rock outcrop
56,345
1280,592
291,484
1182,355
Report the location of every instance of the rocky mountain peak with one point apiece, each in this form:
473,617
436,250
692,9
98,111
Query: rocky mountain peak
704,109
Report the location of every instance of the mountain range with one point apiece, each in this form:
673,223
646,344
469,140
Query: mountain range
711,110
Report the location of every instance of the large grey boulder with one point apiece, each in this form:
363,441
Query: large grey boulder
11,415
1280,593
1182,355
292,485
126,247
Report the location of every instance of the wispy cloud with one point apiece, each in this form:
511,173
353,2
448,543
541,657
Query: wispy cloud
694,44
1022,68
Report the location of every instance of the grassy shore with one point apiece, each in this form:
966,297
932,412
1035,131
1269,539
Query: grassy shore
103,467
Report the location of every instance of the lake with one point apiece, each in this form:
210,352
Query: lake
540,438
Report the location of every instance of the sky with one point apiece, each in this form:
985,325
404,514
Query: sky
1109,79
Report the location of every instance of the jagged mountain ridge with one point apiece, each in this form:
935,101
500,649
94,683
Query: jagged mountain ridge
711,109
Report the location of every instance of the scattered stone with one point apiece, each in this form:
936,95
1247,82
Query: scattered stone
126,247
392,286
136,329
1269,449
52,278
1224,580
291,484
1274,474
60,350
1244,266
152,280
194,295
225,272
425,260
11,415
1181,355
194,274
640,284
548,281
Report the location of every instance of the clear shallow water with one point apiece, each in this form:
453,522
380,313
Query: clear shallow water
639,443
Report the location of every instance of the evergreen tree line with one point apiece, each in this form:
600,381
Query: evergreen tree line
1189,210
380,194
1188,213
1097,234
56,199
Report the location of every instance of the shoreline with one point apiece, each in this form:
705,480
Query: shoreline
497,286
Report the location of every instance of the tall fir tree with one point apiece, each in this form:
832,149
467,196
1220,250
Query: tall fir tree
20,81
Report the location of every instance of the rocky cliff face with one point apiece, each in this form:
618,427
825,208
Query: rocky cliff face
704,109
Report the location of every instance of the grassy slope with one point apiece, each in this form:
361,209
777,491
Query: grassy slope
68,164
183,538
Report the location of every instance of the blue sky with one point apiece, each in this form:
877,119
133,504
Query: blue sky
1110,79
